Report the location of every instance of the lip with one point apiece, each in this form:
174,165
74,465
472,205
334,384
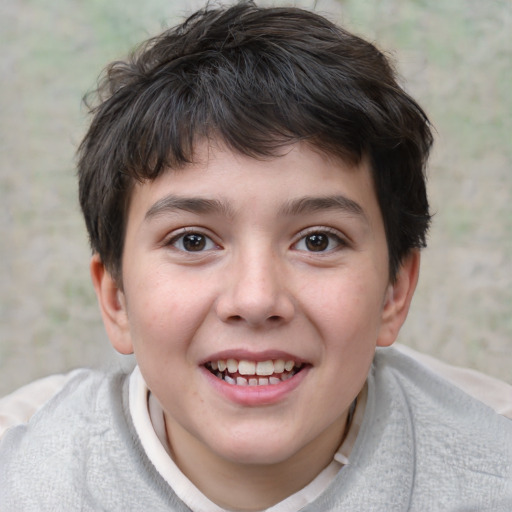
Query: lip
254,396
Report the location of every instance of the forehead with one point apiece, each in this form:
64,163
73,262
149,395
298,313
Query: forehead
222,181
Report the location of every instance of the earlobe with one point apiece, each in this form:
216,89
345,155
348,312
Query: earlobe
398,299
112,306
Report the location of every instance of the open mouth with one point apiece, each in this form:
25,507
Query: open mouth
254,373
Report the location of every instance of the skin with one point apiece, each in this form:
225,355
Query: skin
257,288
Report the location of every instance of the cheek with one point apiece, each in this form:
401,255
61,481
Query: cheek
347,307
164,312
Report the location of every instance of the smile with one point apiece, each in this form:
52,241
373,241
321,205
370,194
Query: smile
253,373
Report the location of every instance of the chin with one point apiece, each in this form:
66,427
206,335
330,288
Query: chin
262,449
257,457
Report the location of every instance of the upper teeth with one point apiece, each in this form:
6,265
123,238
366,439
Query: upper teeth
245,367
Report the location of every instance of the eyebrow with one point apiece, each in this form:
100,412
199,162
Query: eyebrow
300,206
199,205
305,205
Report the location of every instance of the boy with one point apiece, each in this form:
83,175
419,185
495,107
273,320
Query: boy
253,187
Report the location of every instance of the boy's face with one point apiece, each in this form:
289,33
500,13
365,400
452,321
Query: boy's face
256,263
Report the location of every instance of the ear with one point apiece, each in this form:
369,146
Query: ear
398,299
112,306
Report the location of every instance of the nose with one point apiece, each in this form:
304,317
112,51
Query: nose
255,291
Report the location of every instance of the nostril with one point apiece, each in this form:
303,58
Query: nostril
274,319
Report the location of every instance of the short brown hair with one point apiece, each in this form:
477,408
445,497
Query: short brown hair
257,79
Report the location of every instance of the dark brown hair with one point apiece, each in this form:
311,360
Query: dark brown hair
256,79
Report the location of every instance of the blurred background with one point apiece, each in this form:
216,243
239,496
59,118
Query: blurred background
455,58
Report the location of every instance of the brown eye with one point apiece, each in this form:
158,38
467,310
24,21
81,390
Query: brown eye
317,242
193,242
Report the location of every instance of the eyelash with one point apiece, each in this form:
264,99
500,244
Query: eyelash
176,238
209,243
332,234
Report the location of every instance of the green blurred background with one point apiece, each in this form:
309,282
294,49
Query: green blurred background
454,57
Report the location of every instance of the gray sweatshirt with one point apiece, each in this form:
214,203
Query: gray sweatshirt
424,446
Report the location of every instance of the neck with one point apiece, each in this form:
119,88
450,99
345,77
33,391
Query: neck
249,487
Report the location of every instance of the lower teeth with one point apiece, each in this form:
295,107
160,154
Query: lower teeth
254,381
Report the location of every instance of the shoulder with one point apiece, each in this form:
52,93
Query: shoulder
19,406
489,390
444,387
81,452
85,394
456,440
58,421
430,397
60,436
